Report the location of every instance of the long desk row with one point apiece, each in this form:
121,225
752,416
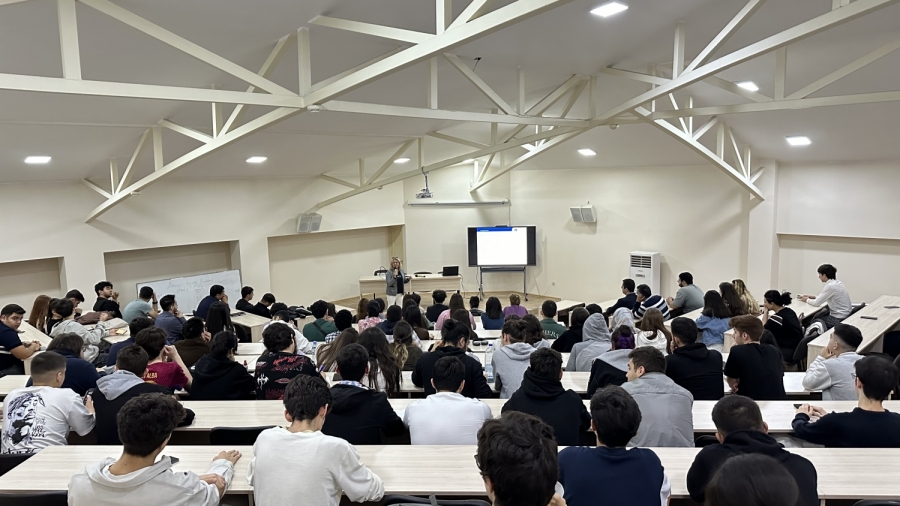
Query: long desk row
873,321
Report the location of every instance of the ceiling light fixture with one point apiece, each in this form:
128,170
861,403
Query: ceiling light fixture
256,159
609,8
799,140
587,152
748,85
401,160
37,160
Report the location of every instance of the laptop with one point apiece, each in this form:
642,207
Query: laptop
452,270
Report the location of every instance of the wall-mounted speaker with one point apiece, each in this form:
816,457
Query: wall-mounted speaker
576,214
309,223
583,214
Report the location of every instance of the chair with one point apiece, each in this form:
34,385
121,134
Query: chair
379,272
876,502
801,351
239,436
421,273
42,498
707,440
8,462
406,499
856,307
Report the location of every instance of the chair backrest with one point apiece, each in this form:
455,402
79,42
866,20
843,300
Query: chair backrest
42,499
238,436
379,272
419,273
856,307
401,500
802,349
8,462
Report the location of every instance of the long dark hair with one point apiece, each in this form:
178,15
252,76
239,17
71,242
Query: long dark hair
413,315
493,309
381,360
736,305
456,303
714,306
462,316
327,354
218,318
779,299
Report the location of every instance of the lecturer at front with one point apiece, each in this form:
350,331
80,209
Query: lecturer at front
396,279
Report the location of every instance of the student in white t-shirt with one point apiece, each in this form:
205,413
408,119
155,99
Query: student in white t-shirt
42,415
446,417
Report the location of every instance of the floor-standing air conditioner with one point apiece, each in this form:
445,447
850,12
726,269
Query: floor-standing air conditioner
645,269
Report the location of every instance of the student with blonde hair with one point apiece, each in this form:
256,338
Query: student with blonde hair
749,300
396,280
514,307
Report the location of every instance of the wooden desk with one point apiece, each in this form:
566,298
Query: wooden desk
253,322
872,330
29,334
376,285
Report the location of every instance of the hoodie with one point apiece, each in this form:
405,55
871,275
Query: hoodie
608,369
666,412
743,442
91,337
158,484
221,379
559,408
387,327
476,386
712,329
568,339
596,342
360,416
698,369
510,363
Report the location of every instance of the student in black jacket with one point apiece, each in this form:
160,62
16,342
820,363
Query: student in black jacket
115,389
869,425
260,309
574,334
217,377
541,394
107,299
358,414
81,375
740,430
454,340
754,369
627,301
434,311
692,365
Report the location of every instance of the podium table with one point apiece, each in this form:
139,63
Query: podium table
369,285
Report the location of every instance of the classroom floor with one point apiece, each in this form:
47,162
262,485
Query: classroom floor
533,304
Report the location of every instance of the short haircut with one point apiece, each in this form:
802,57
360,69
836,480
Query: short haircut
685,330
518,453
46,365
343,320
146,292
416,297
548,308
352,362
277,337
152,340
648,357
448,374
616,416
138,324
546,363
268,298
11,309
305,396
216,290
828,270
878,376
579,316
222,343
593,309
645,291
749,325
103,285
68,341
193,328
64,308
146,422
245,291
319,309
517,330
848,334
474,301
381,304
278,306
686,277
439,296
283,315
372,308
75,294
132,359
167,302
736,412
752,479
514,299
628,284
393,314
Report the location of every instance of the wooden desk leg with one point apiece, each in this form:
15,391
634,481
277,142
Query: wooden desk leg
256,333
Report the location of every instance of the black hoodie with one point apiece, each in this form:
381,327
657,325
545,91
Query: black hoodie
742,442
569,338
218,379
476,386
360,416
697,369
546,399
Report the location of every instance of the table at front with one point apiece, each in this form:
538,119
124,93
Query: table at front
372,285
872,330
28,334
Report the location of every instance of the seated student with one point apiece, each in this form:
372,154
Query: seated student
124,384
869,425
653,332
435,310
832,371
384,370
327,354
52,317
474,301
81,375
413,316
392,317
446,417
542,395
622,476
752,480
517,459
534,334
753,369
514,307
343,320
456,304
692,365
646,300
217,377
134,326
359,415
14,350
512,359
596,342
740,430
195,343
611,368
145,425
574,334
261,308
735,304
279,363
628,301
42,415
361,310
453,344
77,298
216,293
145,306
666,417
834,294
373,310
107,299
283,317
405,347
713,321
784,324
300,461
171,319
40,312
552,328
92,338
749,300
492,318
689,296
322,326
166,367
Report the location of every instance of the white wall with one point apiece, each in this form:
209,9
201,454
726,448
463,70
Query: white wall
21,282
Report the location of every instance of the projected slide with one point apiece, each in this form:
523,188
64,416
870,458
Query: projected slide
502,245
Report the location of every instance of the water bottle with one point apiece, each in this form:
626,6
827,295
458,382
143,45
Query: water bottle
488,365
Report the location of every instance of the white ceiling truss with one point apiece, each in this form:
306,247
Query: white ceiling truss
476,20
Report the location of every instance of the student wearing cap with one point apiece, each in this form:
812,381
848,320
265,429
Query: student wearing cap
832,371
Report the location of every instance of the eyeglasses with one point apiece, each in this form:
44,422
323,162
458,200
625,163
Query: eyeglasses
853,376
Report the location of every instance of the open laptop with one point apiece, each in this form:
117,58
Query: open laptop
452,270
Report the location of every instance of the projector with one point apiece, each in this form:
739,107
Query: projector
424,194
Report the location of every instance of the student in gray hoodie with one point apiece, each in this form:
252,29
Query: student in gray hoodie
595,342
666,416
611,368
92,338
512,359
136,478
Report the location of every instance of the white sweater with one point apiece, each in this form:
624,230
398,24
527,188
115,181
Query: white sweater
309,468
652,338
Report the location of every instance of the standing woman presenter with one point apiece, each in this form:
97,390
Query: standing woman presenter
395,279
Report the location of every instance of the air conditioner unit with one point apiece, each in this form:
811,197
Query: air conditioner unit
644,269
309,223
583,214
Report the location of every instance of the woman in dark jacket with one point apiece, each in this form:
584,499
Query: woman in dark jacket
572,335
217,377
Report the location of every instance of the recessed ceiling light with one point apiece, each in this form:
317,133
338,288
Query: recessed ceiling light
37,160
256,159
587,152
799,140
609,8
401,160
748,85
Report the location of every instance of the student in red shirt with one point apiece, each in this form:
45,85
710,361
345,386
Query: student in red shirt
166,367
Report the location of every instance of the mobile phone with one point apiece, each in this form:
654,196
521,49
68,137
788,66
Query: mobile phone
869,317
797,406
892,307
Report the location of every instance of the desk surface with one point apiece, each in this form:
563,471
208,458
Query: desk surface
30,333
872,330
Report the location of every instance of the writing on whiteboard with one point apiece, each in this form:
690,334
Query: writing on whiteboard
190,290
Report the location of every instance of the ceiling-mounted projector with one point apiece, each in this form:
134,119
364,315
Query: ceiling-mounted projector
426,192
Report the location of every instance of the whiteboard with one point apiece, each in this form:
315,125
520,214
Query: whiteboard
188,291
